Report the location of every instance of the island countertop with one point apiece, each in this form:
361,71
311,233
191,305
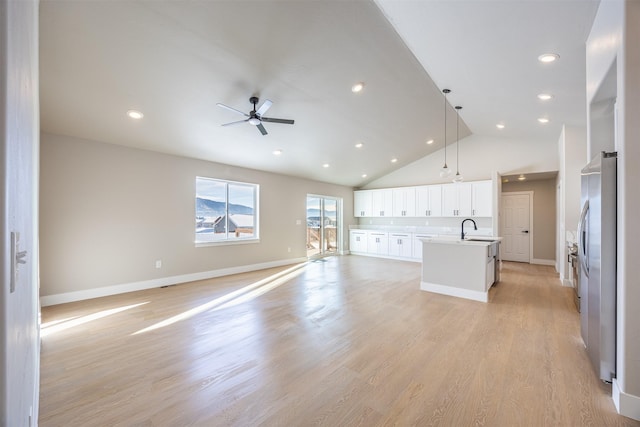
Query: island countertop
469,240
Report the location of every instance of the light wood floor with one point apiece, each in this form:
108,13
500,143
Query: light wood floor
343,341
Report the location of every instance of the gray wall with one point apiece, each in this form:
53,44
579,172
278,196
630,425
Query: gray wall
109,212
544,215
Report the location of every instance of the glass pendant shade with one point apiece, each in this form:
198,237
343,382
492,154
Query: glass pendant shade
458,178
445,172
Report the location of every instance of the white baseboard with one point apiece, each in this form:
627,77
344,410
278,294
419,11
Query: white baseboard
567,283
455,292
156,283
626,404
551,262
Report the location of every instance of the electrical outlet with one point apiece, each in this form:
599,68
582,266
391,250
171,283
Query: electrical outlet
298,221
159,263
288,249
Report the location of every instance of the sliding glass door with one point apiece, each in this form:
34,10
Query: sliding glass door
323,225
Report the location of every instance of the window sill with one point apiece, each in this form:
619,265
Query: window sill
226,242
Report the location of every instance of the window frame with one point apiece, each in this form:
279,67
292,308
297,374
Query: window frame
255,238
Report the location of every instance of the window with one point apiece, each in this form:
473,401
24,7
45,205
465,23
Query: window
226,211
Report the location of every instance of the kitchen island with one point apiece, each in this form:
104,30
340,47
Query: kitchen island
461,268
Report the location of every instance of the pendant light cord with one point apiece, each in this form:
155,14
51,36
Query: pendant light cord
457,141
445,91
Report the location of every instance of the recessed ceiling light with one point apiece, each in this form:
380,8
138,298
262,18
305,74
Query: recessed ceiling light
364,175
277,152
357,87
548,57
135,114
505,180
326,165
543,120
545,96
394,160
359,145
500,126
429,142
521,178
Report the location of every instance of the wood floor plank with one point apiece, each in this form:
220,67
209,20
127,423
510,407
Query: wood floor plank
344,341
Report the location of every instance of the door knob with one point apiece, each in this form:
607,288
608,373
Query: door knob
525,231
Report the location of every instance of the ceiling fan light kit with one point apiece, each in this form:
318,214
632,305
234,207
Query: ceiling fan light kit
255,116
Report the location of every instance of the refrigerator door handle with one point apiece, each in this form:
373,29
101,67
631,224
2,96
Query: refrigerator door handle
582,239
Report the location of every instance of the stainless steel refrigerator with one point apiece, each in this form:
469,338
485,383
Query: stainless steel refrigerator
597,263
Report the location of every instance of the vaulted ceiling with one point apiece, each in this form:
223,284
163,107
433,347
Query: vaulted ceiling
175,60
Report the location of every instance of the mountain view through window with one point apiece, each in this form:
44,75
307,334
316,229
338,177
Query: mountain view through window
225,210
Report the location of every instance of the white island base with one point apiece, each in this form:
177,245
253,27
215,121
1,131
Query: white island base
459,268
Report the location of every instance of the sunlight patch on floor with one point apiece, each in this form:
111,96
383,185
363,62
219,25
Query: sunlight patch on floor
52,327
231,299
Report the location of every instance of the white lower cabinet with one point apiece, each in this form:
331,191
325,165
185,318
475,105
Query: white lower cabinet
358,241
400,245
417,245
378,243
386,244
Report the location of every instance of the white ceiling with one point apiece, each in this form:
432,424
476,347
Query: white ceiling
174,60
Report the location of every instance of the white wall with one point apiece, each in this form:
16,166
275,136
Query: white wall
108,212
614,39
480,156
573,157
19,130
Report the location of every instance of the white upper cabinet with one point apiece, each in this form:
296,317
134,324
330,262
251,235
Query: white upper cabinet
482,198
404,201
456,199
362,203
463,199
382,203
429,200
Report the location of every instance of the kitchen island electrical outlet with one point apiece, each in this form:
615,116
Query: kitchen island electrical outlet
159,263
298,221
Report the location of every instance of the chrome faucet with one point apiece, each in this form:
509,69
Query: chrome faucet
475,227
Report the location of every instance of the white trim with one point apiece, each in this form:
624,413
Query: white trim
455,292
156,283
551,262
567,283
386,256
626,404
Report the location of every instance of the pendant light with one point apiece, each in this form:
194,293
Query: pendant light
458,177
445,172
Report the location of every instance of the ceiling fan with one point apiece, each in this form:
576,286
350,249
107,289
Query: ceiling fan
255,116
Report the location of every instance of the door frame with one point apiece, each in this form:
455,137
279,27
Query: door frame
339,222
529,193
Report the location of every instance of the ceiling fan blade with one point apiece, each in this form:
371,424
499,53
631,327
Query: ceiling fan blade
236,123
264,107
261,129
232,109
270,120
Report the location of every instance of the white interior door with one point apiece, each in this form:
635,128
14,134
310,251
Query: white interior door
515,220
19,150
